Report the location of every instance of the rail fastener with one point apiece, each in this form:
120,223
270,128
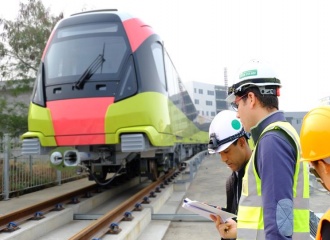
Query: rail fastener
11,227
145,200
38,216
152,194
114,229
128,216
58,207
138,207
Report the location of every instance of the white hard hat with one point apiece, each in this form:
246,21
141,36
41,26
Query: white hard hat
225,129
255,73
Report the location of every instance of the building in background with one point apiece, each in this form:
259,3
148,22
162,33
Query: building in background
220,98
295,118
325,100
209,99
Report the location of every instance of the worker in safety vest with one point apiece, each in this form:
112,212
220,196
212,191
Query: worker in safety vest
230,141
315,147
274,202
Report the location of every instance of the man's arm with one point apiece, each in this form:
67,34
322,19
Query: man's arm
276,163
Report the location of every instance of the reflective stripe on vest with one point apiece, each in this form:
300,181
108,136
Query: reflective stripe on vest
250,223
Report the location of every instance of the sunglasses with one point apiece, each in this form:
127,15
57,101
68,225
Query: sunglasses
317,176
234,104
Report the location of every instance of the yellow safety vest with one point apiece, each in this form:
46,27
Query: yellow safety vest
251,143
250,223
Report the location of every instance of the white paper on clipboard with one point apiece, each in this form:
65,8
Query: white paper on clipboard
205,210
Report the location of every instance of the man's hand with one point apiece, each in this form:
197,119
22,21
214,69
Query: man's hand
227,229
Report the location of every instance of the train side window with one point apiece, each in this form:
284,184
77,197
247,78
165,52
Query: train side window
172,77
157,52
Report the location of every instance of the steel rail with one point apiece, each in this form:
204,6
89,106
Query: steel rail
100,227
27,213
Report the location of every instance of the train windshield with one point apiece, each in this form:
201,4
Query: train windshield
74,48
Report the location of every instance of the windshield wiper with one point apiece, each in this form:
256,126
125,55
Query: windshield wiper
95,65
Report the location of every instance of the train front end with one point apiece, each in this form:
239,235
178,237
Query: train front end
99,102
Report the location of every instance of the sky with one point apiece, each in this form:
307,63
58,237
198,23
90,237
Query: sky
204,37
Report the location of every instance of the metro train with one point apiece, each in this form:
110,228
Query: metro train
108,99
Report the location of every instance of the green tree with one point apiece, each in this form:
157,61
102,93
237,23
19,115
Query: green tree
11,118
22,43
24,39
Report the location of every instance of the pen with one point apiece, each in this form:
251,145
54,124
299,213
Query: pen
212,206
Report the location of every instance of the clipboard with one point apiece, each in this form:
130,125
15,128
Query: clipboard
205,210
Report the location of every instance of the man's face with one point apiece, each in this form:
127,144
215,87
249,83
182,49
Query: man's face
321,170
234,156
248,111
243,111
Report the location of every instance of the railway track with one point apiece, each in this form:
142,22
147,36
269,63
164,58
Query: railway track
37,220
36,212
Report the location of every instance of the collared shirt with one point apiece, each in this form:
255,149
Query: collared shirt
234,189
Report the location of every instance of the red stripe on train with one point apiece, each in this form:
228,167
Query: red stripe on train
137,32
79,121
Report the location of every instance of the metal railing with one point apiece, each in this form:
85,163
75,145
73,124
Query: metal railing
22,174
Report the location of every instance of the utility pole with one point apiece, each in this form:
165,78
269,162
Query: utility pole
226,84
226,79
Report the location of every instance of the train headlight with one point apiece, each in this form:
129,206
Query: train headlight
56,158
